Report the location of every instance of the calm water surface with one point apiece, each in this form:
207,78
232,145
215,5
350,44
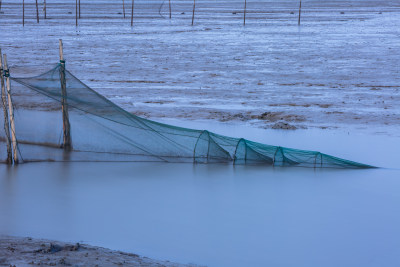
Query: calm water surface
216,215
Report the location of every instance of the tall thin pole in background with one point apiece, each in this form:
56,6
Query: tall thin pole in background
37,12
45,9
194,7
76,13
169,2
133,4
0,5
23,12
123,7
244,13
79,8
299,13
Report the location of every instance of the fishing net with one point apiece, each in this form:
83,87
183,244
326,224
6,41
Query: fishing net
102,131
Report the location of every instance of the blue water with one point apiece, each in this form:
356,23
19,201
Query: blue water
218,215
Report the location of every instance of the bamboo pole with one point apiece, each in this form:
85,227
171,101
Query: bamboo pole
5,112
45,9
76,13
123,7
298,23
170,10
194,7
23,13
67,144
11,112
37,12
133,4
244,13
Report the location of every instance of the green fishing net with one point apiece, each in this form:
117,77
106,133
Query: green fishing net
102,131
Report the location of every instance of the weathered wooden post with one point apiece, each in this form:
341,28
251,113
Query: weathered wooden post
244,13
23,13
76,13
170,10
67,144
123,7
5,112
133,4
37,12
194,7
11,111
299,13
79,8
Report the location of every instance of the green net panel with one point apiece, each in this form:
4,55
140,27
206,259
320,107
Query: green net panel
102,131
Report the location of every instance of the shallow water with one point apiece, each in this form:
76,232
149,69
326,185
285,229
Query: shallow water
218,215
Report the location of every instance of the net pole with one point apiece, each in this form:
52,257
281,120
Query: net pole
133,4
67,143
37,12
23,13
76,13
45,9
170,11
79,8
194,7
244,12
298,23
5,112
123,7
11,112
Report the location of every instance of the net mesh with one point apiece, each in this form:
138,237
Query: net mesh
102,131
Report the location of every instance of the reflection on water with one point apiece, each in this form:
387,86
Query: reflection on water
219,215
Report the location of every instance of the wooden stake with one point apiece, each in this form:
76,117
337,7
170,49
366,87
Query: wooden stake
45,9
67,144
5,112
23,13
37,12
194,7
299,14
123,7
11,111
76,13
245,7
79,8
169,2
133,4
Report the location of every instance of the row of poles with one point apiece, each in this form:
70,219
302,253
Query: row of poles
8,109
78,11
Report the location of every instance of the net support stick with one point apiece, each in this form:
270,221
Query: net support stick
11,112
169,4
244,12
194,7
37,12
67,144
123,7
298,23
23,13
133,5
76,13
5,112
79,8
45,9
